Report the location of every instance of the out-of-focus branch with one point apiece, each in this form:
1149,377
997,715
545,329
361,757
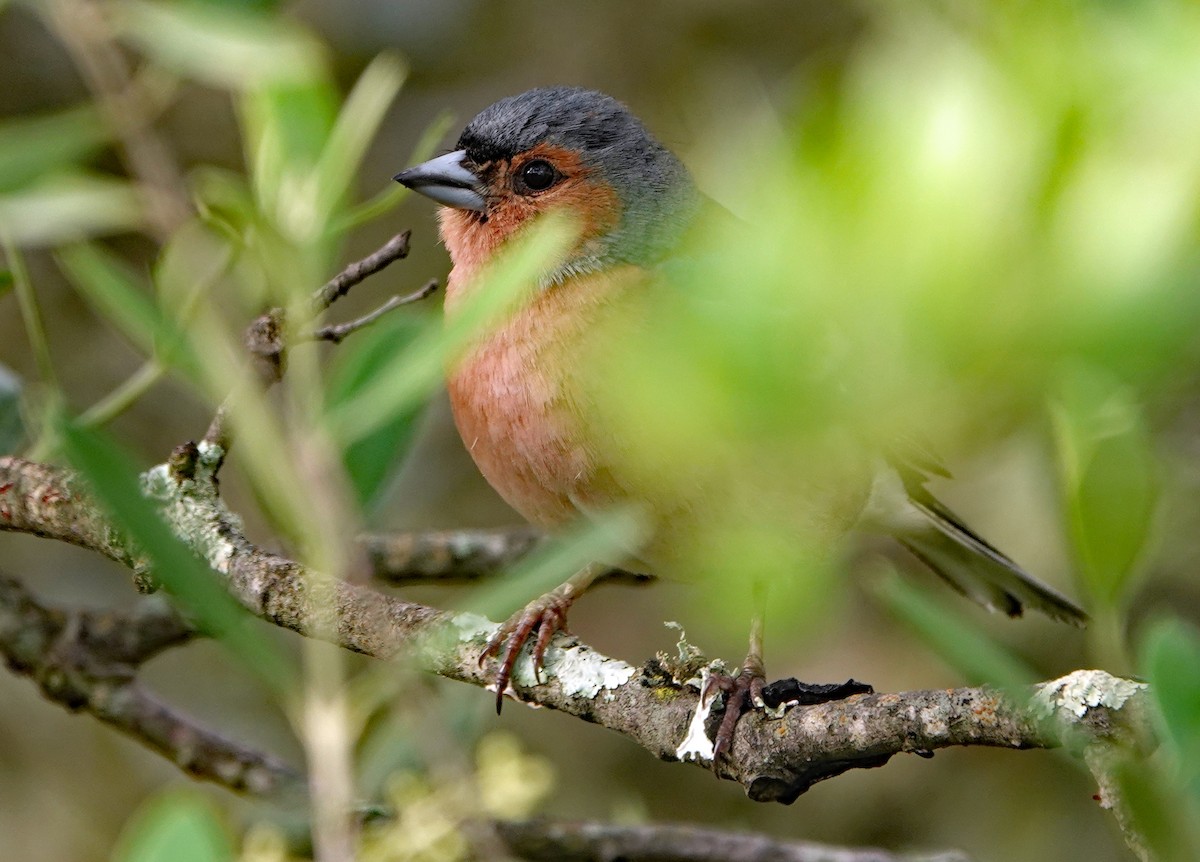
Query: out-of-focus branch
773,758
554,841
89,661
446,555
83,29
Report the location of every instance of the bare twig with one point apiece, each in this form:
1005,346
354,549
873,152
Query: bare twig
338,331
447,555
393,250
88,661
538,840
264,337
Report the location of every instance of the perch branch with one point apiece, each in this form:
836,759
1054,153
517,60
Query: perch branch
774,759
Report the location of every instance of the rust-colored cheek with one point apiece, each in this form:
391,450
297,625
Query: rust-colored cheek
472,240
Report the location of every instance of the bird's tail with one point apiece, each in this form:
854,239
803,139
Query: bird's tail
976,569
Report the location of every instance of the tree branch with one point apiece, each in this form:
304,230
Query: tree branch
773,758
552,841
89,661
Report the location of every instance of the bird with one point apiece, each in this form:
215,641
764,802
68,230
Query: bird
519,399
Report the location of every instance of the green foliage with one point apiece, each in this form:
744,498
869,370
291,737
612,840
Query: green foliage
104,281
1109,479
1171,661
176,827
32,147
957,642
374,457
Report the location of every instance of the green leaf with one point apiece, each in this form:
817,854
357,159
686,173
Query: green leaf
226,46
1109,479
67,208
31,147
373,459
12,424
355,128
6,282
112,478
175,827
1171,661
102,279
962,646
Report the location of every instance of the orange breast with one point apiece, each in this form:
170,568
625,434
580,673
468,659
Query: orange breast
517,399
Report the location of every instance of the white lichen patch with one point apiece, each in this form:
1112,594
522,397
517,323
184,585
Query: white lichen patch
468,627
1082,690
696,745
194,510
579,671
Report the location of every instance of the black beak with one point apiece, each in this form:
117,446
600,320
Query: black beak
447,180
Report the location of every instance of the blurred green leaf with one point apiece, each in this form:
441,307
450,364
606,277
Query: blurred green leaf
1170,658
67,208
112,478
224,45
6,282
175,827
103,280
603,536
1166,820
962,646
371,460
394,193
12,424
33,146
355,128
1109,478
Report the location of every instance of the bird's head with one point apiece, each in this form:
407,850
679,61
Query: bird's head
563,149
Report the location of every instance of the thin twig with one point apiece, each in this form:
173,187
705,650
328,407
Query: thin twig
393,250
335,333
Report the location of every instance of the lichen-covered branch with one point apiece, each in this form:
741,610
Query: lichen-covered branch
89,661
773,758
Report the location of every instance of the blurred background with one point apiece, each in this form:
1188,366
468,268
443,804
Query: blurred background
1001,202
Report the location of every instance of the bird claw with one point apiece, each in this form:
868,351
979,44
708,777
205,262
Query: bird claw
546,615
743,691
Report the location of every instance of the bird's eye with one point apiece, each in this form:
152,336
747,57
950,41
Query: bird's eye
536,176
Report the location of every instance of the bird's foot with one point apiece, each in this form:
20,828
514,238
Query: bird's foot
743,691
546,615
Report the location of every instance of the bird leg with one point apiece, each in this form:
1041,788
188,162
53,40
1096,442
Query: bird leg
546,615
742,691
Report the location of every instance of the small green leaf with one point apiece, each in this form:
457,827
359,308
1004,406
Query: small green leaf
1109,479
978,658
112,478
223,45
175,827
31,147
12,425
102,279
1171,662
373,459
6,281
68,208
